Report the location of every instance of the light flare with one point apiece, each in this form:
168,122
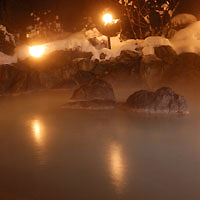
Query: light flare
38,136
37,130
108,19
117,165
37,51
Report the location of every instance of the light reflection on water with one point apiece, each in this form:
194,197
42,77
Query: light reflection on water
39,139
36,125
50,153
117,165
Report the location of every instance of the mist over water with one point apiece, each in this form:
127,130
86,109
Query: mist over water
52,153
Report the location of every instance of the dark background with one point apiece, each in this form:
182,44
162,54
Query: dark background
71,12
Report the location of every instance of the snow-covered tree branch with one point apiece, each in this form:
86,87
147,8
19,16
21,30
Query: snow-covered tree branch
142,18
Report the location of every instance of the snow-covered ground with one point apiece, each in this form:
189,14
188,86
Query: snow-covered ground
185,40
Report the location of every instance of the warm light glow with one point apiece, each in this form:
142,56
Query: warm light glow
117,165
108,18
37,130
38,136
37,51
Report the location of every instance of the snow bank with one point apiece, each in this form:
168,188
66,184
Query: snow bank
183,19
6,60
185,40
188,33
80,41
189,45
151,42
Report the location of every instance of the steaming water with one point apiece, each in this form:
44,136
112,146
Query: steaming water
49,153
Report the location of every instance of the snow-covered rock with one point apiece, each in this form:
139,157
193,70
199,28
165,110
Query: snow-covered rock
187,39
192,32
182,20
154,41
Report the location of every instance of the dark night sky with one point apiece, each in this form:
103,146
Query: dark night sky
79,6
71,11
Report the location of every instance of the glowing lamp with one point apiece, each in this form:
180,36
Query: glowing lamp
37,51
108,18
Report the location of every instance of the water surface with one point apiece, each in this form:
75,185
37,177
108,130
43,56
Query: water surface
50,153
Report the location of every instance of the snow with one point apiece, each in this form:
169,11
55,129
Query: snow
183,19
185,40
146,47
80,41
151,42
6,60
190,32
8,36
183,46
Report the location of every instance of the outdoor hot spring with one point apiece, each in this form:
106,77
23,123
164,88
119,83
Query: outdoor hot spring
99,100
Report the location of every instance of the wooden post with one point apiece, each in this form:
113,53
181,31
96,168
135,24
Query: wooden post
109,42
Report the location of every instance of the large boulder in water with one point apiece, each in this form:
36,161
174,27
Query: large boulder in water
95,89
164,100
96,94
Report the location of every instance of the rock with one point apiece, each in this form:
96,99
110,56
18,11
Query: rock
95,104
51,78
123,67
102,68
142,99
98,44
128,56
94,95
56,59
166,53
25,81
7,41
185,69
77,53
83,64
164,100
83,77
7,75
95,89
15,80
186,65
188,60
151,70
102,56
